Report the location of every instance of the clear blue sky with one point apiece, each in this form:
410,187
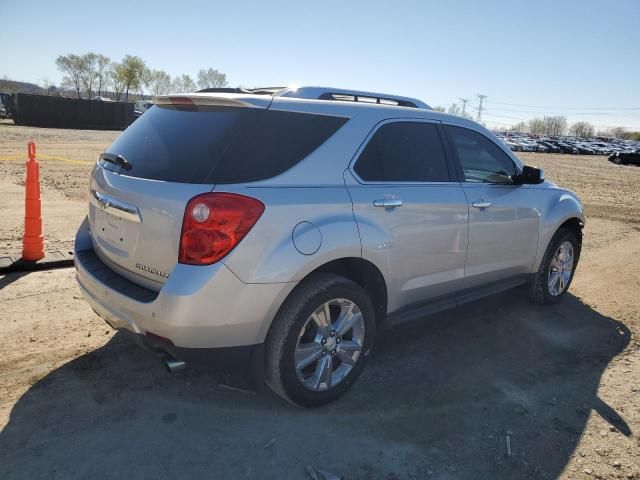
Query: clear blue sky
580,58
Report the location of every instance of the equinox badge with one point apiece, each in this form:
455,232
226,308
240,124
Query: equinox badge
152,270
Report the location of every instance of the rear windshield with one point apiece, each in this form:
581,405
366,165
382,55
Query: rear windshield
218,145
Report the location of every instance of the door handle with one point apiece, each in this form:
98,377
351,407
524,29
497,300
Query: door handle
388,203
481,204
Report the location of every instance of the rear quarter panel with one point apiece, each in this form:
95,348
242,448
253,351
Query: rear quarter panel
268,253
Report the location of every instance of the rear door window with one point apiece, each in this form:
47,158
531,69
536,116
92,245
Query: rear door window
218,145
404,152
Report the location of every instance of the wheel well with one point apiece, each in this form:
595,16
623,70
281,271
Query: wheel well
365,274
574,225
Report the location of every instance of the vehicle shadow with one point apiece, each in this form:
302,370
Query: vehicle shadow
7,279
437,400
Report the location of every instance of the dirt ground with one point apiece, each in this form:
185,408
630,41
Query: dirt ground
437,401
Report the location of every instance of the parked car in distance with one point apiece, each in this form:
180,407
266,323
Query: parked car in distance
565,147
518,141
601,148
140,107
525,146
513,145
626,158
280,224
541,148
9,105
583,149
550,146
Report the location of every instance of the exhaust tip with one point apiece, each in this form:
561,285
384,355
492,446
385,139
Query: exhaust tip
174,365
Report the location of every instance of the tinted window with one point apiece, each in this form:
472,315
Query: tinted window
481,159
219,145
404,152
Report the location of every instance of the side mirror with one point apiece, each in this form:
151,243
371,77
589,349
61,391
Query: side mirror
529,176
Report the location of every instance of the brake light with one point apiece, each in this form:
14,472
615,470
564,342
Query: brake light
213,224
181,101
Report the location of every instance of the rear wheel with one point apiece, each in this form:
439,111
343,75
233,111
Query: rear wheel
555,274
320,340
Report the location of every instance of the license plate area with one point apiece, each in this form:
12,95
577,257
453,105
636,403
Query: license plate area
114,231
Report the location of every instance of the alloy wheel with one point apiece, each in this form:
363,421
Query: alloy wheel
561,269
329,344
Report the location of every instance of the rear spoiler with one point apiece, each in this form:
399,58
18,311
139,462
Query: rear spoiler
217,99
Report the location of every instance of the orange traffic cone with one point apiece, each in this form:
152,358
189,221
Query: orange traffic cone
32,241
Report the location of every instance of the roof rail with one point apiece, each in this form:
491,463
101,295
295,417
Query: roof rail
327,93
251,91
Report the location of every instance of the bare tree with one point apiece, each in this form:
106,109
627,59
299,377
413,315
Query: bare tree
145,79
88,71
72,66
440,109
159,82
617,132
46,84
521,127
556,126
536,126
582,130
211,78
102,68
455,109
183,84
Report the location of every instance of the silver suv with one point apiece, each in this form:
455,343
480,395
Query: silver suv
280,228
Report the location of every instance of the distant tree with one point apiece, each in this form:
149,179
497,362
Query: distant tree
556,126
132,71
159,82
102,67
211,78
183,84
455,109
536,126
521,127
440,109
72,66
117,79
617,132
582,130
88,72
632,136
46,85
145,79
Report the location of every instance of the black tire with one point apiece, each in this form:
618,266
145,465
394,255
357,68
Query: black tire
280,372
539,287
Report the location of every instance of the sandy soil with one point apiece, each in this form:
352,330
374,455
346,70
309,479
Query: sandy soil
438,399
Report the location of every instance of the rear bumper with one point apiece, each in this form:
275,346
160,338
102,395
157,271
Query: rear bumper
197,308
246,361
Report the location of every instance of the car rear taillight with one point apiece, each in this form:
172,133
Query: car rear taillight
213,224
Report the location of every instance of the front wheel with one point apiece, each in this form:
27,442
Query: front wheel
558,265
320,340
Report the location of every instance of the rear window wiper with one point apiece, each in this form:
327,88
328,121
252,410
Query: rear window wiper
116,159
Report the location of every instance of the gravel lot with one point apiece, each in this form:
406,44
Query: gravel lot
438,399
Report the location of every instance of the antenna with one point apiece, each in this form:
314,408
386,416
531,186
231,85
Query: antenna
481,99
